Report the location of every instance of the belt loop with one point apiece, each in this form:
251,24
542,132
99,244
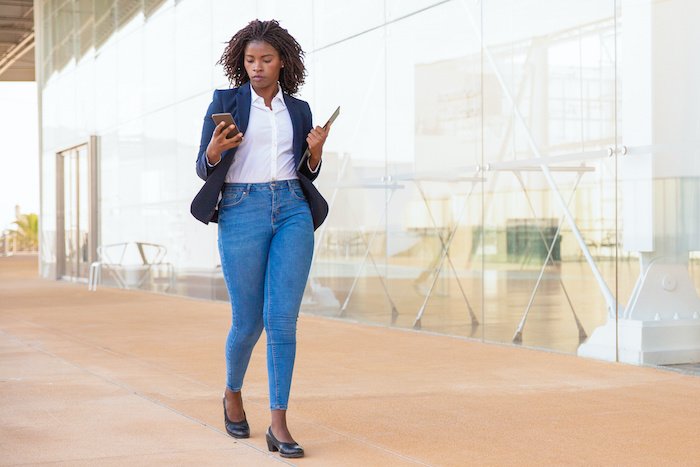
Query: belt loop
247,188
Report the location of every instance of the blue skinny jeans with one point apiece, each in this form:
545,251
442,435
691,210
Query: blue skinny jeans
266,241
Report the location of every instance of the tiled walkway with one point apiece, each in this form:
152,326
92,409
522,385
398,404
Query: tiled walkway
119,377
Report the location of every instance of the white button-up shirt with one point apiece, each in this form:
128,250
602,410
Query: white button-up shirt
266,151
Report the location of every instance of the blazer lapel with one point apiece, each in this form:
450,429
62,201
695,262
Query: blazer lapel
242,110
296,117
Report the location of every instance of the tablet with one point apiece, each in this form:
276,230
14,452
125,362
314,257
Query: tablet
330,121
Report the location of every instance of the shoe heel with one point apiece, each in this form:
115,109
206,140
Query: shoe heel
270,445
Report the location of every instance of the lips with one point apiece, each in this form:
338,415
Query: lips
257,77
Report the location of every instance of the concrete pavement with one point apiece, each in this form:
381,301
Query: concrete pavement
119,377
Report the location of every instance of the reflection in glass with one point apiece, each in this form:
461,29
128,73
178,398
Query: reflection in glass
70,208
76,208
347,277
549,201
507,170
434,97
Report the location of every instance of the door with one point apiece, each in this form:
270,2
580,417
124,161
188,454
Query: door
76,213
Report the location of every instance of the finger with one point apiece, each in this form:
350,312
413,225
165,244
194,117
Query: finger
236,140
222,132
318,139
229,131
223,137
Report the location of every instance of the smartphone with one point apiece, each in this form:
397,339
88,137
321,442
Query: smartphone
228,119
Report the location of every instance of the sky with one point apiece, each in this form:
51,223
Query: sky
19,150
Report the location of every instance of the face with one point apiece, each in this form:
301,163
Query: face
262,63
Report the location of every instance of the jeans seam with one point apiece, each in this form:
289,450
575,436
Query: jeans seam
293,192
229,373
269,334
296,196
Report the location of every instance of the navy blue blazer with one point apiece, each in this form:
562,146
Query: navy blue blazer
204,206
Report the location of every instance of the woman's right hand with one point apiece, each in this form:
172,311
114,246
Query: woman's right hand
219,143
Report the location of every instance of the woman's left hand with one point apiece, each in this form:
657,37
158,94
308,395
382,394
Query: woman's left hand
316,139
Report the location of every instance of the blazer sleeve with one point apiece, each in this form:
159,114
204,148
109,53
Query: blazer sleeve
204,169
308,125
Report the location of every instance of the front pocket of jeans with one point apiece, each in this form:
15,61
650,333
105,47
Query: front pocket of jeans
233,198
298,194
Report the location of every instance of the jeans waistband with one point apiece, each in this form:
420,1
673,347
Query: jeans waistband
264,186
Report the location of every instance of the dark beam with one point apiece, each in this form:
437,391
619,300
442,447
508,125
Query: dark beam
13,19
15,30
25,3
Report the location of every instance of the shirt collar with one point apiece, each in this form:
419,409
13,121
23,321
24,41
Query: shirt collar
277,100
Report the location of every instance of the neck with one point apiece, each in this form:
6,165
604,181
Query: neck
267,93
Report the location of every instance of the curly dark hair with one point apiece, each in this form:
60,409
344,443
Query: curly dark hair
291,76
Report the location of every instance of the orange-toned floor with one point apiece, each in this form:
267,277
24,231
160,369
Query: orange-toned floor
118,377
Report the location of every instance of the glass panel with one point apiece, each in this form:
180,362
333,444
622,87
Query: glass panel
63,37
130,59
105,21
433,150
127,10
398,8
549,233
151,6
347,277
46,59
83,213
76,213
70,224
336,21
194,58
48,216
442,142
158,85
86,24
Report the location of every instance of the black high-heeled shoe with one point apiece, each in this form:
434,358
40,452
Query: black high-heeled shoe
236,429
285,449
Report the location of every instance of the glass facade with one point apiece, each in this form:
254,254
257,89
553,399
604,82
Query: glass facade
520,172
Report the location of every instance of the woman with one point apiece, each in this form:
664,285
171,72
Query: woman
267,211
